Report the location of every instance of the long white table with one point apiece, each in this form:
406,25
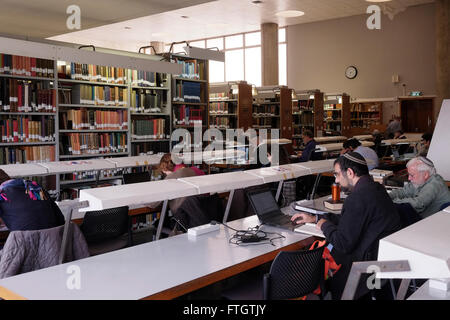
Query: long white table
329,147
321,140
162,269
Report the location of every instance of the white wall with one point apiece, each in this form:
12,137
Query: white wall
318,54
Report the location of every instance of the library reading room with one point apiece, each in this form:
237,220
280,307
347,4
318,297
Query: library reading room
225,150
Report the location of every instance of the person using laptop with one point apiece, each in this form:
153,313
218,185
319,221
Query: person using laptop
368,215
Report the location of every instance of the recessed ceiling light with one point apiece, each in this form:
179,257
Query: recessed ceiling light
289,13
185,17
127,28
257,1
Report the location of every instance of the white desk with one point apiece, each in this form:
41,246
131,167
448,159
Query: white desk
223,182
162,269
427,293
127,162
136,193
316,166
279,173
60,167
363,137
399,141
424,244
329,147
24,169
320,140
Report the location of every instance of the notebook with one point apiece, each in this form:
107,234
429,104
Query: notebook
310,228
267,210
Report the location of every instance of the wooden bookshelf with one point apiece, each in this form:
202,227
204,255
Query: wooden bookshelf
364,116
336,114
307,111
231,101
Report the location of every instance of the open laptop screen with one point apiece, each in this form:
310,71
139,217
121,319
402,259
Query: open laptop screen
263,202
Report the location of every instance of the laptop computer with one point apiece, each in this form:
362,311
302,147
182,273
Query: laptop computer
266,208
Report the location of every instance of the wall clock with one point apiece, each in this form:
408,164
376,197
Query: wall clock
351,72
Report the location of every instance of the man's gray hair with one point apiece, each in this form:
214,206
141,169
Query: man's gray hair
423,165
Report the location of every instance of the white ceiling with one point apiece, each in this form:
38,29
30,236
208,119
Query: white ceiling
137,27
46,18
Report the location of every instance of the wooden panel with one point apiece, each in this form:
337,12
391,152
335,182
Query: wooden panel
417,114
345,131
245,103
318,114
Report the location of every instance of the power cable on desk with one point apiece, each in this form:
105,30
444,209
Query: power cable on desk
252,235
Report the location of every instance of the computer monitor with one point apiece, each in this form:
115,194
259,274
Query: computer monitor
136,177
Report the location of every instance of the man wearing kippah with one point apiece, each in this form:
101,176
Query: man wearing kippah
368,215
424,195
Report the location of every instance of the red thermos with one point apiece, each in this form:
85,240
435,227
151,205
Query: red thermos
335,192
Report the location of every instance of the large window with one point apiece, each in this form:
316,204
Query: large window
242,57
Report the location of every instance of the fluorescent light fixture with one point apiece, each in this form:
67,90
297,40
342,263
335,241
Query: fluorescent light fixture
121,59
289,13
199,53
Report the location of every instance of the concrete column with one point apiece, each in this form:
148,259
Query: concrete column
269,54
158,45
442,53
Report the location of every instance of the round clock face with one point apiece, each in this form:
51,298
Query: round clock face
351,72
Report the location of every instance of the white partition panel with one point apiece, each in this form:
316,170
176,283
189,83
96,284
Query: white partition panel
439,150
424,244
77,165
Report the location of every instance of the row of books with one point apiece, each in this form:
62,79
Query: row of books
265,122
220,123
358,107
25,96
221,96
364,115
191,69
146,101
27,154
26,130
83,119
304,119
26,66
90,72
302,105
84,175
93,143
100,95
146,148
265,110
149,129
146,78
221,108
188,92
185,115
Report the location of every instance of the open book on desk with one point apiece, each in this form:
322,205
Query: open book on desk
310,228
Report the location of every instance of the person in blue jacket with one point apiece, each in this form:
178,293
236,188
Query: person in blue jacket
25,205
310,146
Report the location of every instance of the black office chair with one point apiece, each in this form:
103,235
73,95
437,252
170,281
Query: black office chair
136,177
294,274
107,230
